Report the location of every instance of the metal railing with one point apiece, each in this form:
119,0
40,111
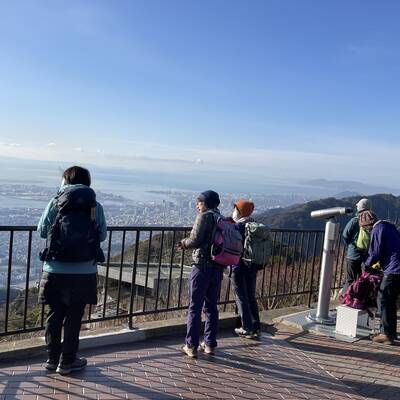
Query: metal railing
145,274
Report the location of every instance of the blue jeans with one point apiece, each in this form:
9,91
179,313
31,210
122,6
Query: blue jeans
244,285
388,293
204,290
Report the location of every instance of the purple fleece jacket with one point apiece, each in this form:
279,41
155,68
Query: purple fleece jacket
385,248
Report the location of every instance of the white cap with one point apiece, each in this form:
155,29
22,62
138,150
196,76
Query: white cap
363,204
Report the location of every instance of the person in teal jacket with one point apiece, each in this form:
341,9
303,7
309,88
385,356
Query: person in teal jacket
354,256
73,225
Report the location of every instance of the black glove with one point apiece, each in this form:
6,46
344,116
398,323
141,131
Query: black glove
367,268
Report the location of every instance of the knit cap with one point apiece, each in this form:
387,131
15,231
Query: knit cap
363,204
245,207
210,198
367,219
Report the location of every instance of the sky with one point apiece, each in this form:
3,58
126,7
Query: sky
276,90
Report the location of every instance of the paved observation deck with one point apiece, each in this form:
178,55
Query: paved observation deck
284,364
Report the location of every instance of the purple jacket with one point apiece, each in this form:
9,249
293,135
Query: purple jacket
385,248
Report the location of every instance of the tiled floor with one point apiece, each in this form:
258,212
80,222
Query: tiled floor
242,369
372,370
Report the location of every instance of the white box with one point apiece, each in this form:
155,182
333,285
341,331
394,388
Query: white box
347,320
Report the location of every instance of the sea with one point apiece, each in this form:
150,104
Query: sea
136,185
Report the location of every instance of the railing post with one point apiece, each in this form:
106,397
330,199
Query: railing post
314,254
133,282
8,288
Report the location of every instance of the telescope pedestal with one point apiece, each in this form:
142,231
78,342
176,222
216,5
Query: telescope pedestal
312,317
325,284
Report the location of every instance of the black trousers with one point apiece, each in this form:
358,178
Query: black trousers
70,316
388,293
244,281
353,271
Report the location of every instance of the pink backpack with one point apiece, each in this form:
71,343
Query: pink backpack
227,242
363,292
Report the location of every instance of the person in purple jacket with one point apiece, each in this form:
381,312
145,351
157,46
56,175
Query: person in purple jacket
385,248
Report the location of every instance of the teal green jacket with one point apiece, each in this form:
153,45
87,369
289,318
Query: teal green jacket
58,267
350,235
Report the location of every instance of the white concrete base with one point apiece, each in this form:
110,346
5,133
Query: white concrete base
349,319
299,320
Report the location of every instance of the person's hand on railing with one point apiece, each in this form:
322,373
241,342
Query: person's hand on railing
181,245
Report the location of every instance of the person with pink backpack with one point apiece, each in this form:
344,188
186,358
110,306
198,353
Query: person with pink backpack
205,277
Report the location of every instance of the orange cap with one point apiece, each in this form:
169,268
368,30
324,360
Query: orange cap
245,207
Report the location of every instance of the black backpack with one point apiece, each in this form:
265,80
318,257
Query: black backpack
74,235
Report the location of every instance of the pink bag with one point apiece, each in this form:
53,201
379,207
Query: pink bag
362,293
227,243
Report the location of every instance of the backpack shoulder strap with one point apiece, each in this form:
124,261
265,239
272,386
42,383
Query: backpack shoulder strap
216,218
93,214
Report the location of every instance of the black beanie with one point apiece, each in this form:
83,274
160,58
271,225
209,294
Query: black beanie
210,198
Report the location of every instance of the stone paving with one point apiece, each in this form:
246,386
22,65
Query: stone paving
270,368
372,370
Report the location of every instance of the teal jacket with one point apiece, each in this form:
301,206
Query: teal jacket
350,235
58,267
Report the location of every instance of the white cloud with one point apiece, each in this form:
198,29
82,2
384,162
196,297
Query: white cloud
79,149
10,144
51,145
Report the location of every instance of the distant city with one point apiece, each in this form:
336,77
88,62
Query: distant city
23,204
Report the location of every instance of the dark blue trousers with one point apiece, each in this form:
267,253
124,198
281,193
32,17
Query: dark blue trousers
388,293
204,290
244,286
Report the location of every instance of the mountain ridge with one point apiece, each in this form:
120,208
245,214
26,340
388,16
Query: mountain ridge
386,206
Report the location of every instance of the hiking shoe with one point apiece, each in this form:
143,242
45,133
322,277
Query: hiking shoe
206,349
383,338
189,351
76,365
257,334
243,333
51,365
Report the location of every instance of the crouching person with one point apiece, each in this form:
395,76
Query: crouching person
205,278
73,224
385,248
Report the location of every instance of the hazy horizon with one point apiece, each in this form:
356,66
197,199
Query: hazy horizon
122,180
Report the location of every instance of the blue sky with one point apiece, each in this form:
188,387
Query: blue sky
276,89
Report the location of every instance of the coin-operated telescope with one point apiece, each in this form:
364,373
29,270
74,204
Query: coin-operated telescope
329,213
321,316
